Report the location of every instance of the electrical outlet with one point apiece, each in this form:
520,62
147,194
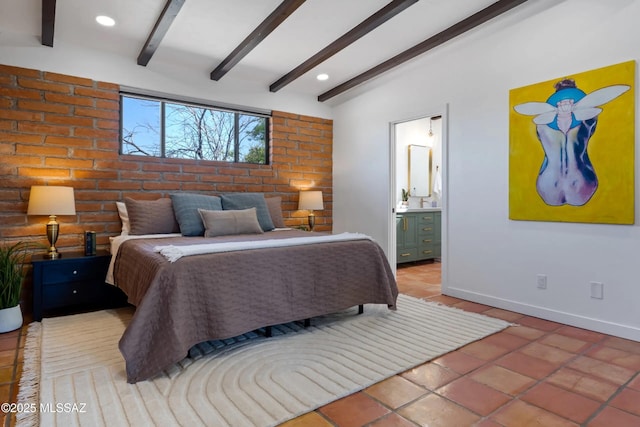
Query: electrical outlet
597,290
542,281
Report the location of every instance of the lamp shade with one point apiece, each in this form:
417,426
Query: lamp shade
51,200
311,201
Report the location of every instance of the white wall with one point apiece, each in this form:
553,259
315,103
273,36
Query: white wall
489,258
184,79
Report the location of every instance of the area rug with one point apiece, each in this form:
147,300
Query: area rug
74,373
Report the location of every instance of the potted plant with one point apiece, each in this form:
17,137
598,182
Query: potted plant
405,197
11,276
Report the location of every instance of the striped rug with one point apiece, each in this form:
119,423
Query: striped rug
74,373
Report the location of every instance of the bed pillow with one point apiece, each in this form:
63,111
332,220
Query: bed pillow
124,218
185,207
151,216
274,204
239,201
224,223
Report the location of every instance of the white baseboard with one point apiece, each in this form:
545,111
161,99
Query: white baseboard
592,324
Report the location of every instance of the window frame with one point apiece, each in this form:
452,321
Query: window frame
237,111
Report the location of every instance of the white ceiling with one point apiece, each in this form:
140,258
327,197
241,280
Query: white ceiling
206,31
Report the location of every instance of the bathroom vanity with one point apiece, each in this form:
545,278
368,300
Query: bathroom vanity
418,234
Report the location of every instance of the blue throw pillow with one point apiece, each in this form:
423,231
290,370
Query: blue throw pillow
238,201
185,207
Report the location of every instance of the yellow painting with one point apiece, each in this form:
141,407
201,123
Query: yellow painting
571,148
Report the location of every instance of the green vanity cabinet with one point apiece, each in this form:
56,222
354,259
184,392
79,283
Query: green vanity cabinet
417,235
406,237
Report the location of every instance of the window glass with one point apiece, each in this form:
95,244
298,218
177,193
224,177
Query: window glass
185,131
252,139
141,127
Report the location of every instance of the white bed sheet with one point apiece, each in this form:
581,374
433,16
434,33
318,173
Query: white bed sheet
118,240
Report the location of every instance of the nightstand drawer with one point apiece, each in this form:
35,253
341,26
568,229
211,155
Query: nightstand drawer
70,272
66,294
74,280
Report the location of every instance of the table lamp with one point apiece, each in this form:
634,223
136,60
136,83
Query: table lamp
52,201
310,201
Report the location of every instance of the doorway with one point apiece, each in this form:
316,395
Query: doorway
418,154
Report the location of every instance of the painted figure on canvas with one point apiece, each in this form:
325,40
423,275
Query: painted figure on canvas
564,125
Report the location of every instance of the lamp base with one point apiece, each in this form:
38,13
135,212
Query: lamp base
53,229
312,221
52,255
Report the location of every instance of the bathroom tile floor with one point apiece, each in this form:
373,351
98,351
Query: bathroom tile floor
539,373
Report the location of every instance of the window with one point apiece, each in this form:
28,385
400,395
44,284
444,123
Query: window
160,128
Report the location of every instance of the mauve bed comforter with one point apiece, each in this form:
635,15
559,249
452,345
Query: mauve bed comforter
222,295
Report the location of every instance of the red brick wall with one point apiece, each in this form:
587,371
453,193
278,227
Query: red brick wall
63,130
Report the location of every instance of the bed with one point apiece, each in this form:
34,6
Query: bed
222,294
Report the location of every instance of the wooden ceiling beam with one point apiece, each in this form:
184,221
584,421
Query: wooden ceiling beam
277,17
366,26
48,22
455,30
169,13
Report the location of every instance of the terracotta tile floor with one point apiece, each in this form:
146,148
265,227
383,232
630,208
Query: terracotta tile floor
11,356
540,373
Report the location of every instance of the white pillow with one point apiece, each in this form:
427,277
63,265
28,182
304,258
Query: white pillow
124,217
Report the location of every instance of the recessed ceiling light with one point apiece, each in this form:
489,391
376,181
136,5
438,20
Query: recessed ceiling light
105,20
322,77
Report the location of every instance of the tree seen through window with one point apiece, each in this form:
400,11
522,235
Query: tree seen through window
158,128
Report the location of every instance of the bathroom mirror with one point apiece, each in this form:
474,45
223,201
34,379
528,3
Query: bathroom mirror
419,170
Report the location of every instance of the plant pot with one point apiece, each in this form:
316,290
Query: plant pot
10,319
